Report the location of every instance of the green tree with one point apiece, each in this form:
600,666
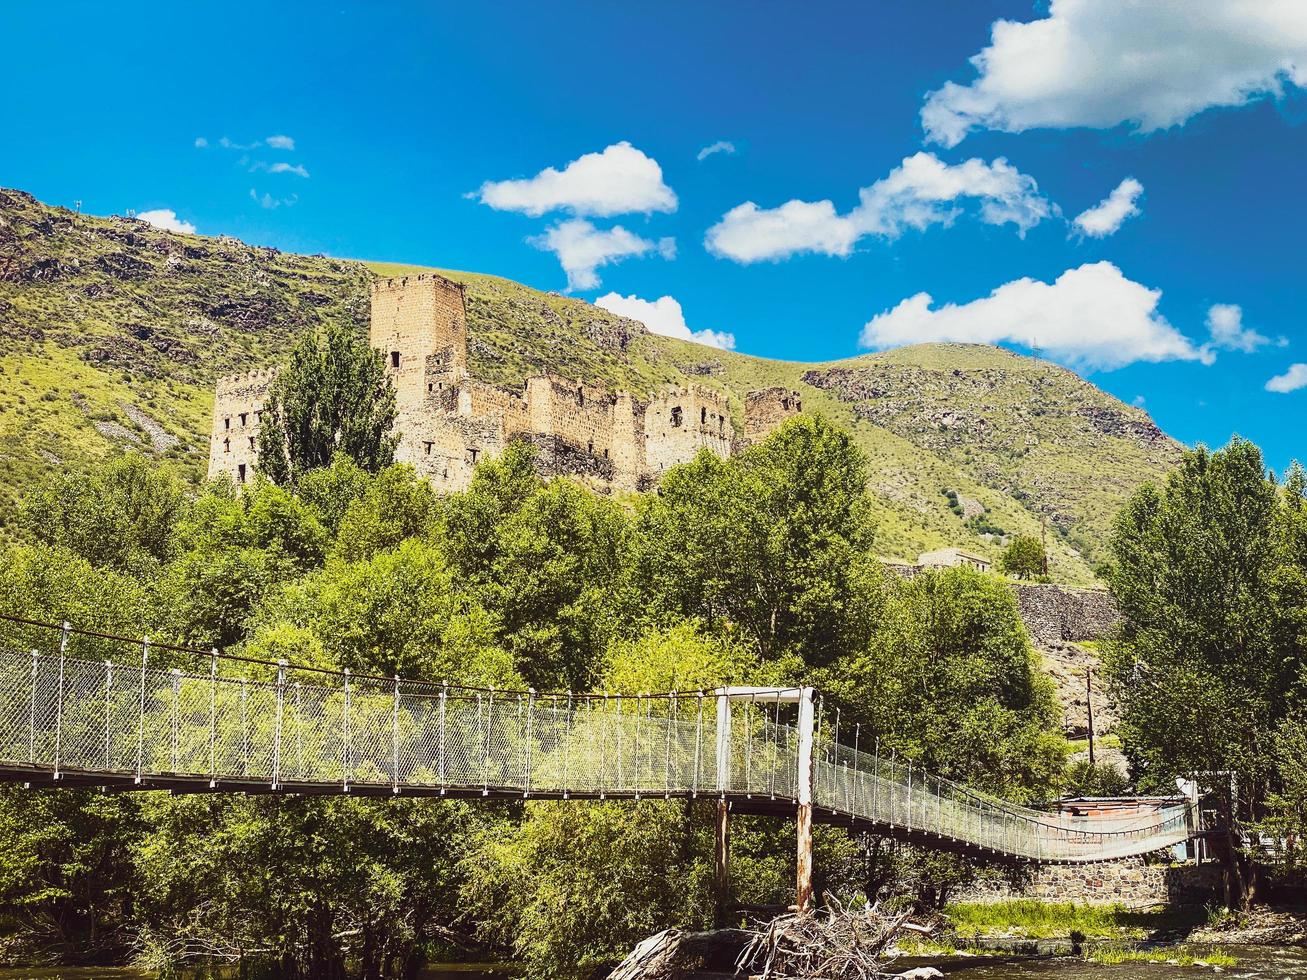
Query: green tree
545,558
67,881
1024,557
329,887
951,682
397,504
775,542
575,885
235,548
403,611
1097,779
1208,573
333,396
120,514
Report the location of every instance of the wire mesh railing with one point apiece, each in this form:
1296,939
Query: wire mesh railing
224,722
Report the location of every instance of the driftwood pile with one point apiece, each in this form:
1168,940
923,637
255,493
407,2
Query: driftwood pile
837,943
834,943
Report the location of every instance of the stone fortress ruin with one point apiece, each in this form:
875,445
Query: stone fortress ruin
448,421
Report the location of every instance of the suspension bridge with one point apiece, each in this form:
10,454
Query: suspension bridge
91,709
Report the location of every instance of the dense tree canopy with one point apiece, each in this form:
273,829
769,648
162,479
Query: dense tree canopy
757,569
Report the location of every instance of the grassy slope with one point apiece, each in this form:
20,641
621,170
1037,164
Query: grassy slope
112,332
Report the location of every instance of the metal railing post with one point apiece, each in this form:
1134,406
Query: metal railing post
213,719
394,741
875,779
894,782
667,756
281,710
31,713
108,714
485,758
530,734
140,721
603,745
567,742
805,795
723,745
299,730
440,724
346,755
245,726
857,771
698,748
176,683
59,701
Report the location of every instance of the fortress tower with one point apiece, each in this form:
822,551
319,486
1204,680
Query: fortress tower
237,412
420,324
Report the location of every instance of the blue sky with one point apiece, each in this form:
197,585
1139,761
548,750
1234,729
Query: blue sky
423,133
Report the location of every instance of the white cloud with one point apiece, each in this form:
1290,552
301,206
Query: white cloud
582,249
921,191
201,142
281,142
1225,322
664,316
1290,380
619,180
1091,317
721,146
283,168
748,233
1107,216
1099,63
266,200
1139,401
166,218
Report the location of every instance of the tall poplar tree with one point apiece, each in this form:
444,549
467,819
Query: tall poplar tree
333,396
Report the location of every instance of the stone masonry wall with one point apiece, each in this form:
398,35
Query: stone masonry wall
766,409
1131,882
237,407
420,326
1056,614
680,422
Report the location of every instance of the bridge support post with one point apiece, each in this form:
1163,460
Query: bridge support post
803,883
722,865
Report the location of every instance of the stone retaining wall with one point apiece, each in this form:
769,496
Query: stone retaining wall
1131,882
1059,614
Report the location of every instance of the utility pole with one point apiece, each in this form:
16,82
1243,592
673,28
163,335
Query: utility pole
1089,707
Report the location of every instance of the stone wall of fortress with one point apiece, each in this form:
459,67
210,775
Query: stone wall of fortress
448,421
237,410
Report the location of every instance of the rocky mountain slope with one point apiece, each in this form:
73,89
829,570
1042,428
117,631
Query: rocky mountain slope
112,332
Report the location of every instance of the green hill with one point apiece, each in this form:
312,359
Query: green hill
112,333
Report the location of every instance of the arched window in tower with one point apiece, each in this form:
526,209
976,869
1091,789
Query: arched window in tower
394,359
677,419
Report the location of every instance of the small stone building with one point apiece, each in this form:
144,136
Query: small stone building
448,421
952,558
